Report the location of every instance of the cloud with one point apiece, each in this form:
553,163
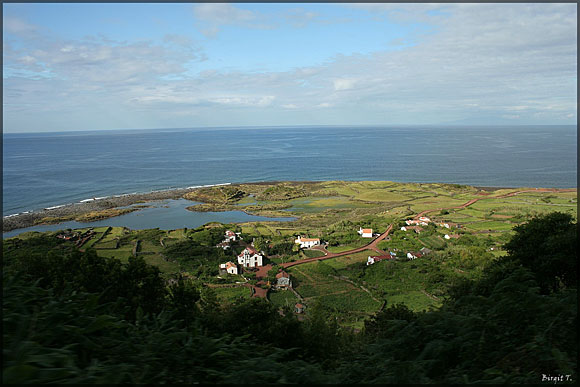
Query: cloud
213,16
222,13
343,84
18,26
95,61
300,18
483,60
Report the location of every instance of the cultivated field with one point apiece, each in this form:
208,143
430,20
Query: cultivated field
333,211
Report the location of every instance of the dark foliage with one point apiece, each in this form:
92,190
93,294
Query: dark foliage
72,317
548,247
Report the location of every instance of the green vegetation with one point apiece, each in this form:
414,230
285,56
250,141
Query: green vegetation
75,317
220,194
88,217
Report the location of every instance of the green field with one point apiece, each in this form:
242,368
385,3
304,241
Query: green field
317,283
334,211
231,294
283,298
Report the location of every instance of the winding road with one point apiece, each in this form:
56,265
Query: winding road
263,270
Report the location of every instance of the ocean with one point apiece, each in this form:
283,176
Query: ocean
47,169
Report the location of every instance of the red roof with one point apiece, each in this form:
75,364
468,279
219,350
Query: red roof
230,233
367,230
250,249
282,274
299,306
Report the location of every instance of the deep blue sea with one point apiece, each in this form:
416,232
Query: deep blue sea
47,169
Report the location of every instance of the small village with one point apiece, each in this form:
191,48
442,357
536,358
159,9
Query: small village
252,260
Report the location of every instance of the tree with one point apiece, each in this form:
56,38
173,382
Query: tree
547,245
379,323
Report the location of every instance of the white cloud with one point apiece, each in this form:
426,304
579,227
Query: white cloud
18,26
212,16
509,61
344,84
299,17
222,13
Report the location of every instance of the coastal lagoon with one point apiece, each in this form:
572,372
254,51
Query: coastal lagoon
165,215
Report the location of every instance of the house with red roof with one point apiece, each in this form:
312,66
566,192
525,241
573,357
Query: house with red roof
298,308
229,267
376,258
230,236
366,232
283,280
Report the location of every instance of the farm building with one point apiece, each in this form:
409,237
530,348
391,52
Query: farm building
417,229
229,267
250,257
224,245
299,308
374,259
412,255
307,242
230,236
366,232
283,280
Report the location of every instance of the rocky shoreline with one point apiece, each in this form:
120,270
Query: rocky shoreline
75,209
34,218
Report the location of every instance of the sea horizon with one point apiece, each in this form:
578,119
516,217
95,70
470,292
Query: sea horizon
257,127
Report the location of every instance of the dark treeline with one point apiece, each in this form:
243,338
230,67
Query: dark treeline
73,317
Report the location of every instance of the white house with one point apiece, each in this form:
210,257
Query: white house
250,257
366,232
447,236
424,219
403,228
414,255
374,259
230,236
307,242
224,245
417,222
229,267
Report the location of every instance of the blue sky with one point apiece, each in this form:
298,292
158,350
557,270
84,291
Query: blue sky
123,66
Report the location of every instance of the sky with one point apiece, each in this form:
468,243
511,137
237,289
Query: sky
84,66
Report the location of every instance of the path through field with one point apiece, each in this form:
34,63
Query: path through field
263,270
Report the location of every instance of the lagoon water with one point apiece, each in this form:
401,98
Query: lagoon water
163,214
47,169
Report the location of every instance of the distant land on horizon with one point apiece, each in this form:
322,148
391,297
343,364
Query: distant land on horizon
454,124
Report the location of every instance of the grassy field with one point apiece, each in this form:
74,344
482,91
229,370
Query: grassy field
319,282
345,261
283,298
231,294
334,211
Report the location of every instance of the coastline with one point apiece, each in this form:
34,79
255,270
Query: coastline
82,207
33,218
